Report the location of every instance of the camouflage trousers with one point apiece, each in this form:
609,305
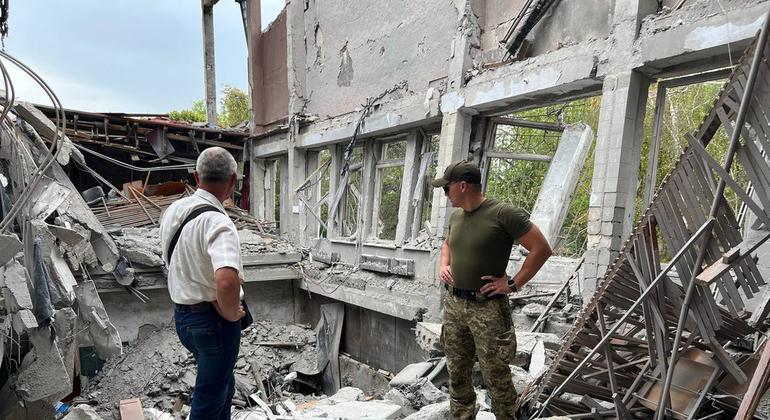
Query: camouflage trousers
482,329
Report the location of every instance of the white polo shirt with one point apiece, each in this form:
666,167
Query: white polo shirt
206,244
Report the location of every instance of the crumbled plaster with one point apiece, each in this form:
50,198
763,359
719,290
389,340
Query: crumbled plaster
345,75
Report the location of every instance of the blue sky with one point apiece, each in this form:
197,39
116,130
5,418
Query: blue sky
125,55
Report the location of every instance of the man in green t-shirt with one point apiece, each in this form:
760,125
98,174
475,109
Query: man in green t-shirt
477,314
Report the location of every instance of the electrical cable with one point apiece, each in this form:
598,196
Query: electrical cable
54,150
132,167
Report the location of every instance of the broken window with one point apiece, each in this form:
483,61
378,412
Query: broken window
388,180
517,162
518,155
351,200
428,159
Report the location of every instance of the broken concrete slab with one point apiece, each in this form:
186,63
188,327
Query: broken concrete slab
45,374
16,291
82,412
357,410
64,325
526,342
521,379
10,245
533,309
70,236
104,335
46,128
62,276
428,335
398,398
537,362
401,267
558,188
375,263
51,195
439,411
346,394
411,374
24,320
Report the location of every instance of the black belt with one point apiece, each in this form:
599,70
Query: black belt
195,307
472,295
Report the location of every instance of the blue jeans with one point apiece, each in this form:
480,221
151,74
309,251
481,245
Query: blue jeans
214,343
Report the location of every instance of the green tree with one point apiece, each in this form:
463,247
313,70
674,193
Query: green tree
196,113
233,109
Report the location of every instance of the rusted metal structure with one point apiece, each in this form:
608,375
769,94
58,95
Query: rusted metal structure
646,340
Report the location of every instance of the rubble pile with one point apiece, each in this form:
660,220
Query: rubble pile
161,372
48,236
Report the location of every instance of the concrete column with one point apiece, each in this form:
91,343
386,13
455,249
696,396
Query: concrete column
297,172
454,145
559,185
367,219
256,73
269,189
411,170
311,225
257,195
616,172
285,210
209,62
334,185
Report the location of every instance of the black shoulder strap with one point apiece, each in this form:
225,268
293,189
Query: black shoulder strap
195,213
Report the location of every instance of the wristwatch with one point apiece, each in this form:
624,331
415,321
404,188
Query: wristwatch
512,284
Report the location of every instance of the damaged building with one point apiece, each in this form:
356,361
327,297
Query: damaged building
657,296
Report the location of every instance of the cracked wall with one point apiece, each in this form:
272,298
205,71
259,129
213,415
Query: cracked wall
356,51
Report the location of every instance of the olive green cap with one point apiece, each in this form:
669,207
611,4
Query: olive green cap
463,170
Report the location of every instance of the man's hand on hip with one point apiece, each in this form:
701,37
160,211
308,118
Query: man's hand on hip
445,275
495,285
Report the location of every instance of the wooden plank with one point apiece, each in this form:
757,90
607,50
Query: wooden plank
756,387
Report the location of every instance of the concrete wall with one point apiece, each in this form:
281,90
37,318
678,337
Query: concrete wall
570,22
271,300
381,341
275,76
358,50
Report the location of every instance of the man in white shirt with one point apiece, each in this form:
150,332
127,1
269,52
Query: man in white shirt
204,281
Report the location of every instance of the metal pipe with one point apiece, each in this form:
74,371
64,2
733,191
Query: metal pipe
715,203
706,227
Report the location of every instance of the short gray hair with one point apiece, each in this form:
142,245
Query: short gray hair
215,164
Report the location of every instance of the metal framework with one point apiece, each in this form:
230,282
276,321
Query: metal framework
657,341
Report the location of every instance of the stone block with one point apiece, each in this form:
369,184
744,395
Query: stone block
410,374
375,263
401,267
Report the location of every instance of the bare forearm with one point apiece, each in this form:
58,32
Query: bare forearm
531,266
446,258
228,293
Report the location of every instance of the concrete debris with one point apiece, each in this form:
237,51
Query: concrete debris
533,309
411,374
24,321
44,374
16,289
104,335
82,412
10,245
64,325
537,360
140,246
521,379
428,336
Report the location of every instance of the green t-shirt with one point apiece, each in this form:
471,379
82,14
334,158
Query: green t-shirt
480,241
